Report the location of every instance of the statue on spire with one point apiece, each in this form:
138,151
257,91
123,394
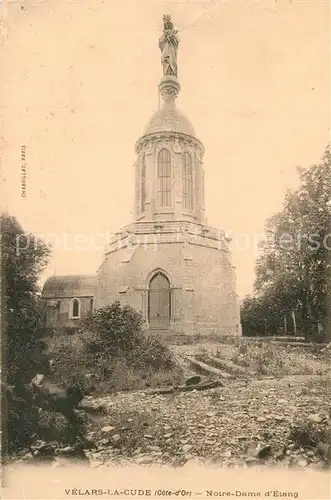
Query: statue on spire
168,44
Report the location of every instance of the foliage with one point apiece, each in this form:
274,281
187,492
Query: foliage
306,434
112,354
23,313
22,421
117,330
152,354
68,359
23,258
293,270
54,427
264,358
254,311
117,333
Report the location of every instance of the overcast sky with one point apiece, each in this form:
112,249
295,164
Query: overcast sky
80,84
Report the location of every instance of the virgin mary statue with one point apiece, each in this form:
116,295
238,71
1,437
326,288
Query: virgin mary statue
168,44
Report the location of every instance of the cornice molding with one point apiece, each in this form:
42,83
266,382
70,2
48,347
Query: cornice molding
149,140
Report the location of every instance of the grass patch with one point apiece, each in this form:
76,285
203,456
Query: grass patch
264,358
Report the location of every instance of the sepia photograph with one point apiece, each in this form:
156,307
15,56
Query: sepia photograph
165,248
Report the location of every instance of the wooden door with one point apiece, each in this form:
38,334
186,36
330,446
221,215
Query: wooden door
159,302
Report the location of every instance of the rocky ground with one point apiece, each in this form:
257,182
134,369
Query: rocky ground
247,421
284,421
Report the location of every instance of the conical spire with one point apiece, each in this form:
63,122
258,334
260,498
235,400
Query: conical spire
169,85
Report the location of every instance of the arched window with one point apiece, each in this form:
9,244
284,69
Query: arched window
187,181
143,184
164,178
74,311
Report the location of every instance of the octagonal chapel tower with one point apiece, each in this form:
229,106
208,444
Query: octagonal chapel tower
168,263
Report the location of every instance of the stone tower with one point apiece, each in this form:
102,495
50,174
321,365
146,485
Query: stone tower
168,263
169,169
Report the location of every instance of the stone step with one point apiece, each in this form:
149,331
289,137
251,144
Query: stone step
169,336
227,365
210,370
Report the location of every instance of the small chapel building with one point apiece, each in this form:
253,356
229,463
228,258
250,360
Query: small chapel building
168,263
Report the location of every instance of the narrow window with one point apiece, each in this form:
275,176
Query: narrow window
202,196
75,309
164,178
187,181
143,184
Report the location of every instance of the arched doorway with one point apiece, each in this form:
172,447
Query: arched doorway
159,302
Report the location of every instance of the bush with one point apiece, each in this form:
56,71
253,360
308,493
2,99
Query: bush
69,357
153,354
113,354
22,421
23,353
118,329
306,434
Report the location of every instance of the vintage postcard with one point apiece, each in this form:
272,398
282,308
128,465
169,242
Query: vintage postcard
165,249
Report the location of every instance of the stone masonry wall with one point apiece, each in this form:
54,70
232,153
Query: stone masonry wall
57,314
201,278
215,307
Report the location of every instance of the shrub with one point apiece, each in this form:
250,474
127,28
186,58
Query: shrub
307,434
118,329
22,421
153,354
24,355
68,362
113,354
